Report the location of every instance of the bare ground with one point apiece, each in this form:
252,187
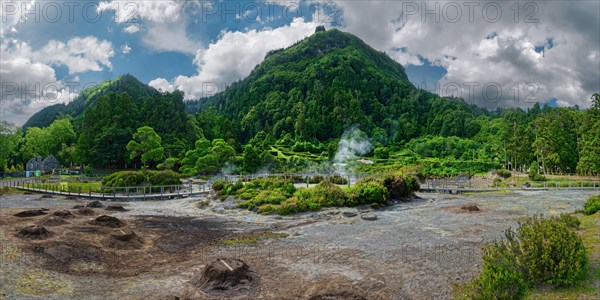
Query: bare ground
415,250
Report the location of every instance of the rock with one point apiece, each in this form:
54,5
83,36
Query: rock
369,217
107,221
349,214
95,204
30,213
34,232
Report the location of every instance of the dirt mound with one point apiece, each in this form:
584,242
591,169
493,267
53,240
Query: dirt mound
107,221
78,206
116,208
53,221
345,295
34,232
470,207
71,197
86,211
227,274
65,214
46,197
30,213
123,240
95,204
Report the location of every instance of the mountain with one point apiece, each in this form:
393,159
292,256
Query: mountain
329,82
88,98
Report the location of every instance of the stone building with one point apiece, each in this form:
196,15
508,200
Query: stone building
48,164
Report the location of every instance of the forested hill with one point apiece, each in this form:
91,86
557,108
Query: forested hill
88,98
330,81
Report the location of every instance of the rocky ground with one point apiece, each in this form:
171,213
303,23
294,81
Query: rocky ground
160,249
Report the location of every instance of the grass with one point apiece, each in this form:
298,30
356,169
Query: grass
252,239
588,288
71,186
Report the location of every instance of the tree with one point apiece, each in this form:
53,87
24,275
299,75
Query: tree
10,138
146,144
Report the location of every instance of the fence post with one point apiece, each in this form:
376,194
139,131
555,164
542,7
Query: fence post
161,192
90,192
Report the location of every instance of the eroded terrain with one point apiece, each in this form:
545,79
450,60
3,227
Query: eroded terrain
157,249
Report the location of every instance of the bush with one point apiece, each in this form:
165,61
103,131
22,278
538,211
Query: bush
164,178
400,187
539,252
366,192
381,152
569,220
124,178
592,205
218,186
324,194
504,173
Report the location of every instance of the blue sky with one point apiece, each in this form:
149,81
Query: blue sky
449,47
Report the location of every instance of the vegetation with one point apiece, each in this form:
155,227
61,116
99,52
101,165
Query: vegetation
138,178
539,252
592,205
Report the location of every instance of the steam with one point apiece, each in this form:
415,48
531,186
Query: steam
354,142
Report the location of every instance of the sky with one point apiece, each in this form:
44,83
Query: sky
490,53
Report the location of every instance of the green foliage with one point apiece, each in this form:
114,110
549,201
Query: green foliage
218,186
324,194
381,152
10,138
367,192
207,157
400,187
592,205
534,172
569,220
137,178
147,145
447,147
504,173
539,252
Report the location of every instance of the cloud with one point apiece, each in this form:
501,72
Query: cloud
478,48
125,49
162,85
10,15
164,23
235,54
29,82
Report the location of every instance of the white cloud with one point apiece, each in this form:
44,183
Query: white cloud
78,54
29,82
163,22
162,85
234,56
125,49
132,28
570,70
11,14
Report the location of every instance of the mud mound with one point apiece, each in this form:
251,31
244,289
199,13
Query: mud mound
34,232
345,295
65,214
78,206
95,204
470,207
123,240
107,221
116,208
71,197
227,274
30,213
52,221
46,197
86,211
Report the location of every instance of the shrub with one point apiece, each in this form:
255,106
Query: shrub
218,185
164,178
324,194
400,187
539,252
592,205
381,152
124,178
367,192
504,173
569,220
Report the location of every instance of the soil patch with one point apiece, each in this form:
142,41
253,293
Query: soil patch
470,207
30,213
65,214
116,208
95,204
86,211
345,295
123,240
227,274
71,197
53,221
107,221
71,256
46,197
34,232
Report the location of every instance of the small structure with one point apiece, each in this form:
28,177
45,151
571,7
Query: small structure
48,164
